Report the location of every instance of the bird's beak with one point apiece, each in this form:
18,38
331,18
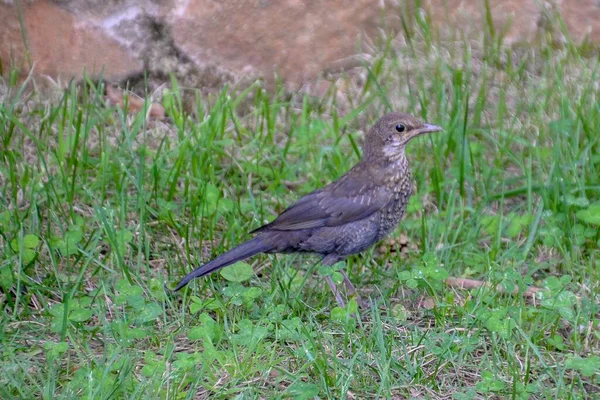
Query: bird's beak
426,128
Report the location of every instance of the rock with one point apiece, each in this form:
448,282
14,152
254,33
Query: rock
208,43
521,20
59,46
582,19
296,39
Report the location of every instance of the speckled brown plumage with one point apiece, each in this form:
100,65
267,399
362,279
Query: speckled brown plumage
348,215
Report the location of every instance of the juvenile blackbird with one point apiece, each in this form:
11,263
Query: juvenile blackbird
346,216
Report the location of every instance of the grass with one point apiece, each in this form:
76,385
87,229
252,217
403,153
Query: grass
98,210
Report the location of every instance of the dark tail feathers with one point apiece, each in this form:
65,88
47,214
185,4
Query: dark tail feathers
241,252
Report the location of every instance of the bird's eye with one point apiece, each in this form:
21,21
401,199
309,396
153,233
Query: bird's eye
400,128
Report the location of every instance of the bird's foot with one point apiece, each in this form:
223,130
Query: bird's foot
351,292
336,292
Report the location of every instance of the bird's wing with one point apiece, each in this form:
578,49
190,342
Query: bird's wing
347,200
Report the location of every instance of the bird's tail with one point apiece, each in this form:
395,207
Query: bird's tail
241,252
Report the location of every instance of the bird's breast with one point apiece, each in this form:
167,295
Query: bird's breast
393,212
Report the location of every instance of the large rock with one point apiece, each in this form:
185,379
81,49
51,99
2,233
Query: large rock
582,18
206,43
517,19
60,46
521,20
297,39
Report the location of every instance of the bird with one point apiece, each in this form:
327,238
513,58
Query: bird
346,216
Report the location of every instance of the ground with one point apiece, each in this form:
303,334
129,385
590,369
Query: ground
100,210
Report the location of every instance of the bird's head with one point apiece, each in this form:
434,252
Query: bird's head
388,137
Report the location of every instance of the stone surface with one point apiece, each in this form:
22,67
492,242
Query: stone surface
297,39
59,45
521,19
206,43
517,18
582,18
10,38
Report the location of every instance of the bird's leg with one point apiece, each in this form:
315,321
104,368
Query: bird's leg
329,260
336,292
348,283
352,290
